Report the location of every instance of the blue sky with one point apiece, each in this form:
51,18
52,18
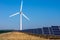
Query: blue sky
41,13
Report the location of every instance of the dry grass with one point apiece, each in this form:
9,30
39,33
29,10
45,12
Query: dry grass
19,36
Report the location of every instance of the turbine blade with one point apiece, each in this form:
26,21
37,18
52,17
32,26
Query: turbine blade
25,16
21,5
14,14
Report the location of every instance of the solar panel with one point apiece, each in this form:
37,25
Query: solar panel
56,32
39,31
30,30
51,32
59,27
55,28
34,31
46,30
25,30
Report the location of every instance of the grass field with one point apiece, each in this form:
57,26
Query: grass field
19,36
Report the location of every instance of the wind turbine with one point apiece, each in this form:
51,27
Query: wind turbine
21,14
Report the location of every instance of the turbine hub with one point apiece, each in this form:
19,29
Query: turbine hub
20,12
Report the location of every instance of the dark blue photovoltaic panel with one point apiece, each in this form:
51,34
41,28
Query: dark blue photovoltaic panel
39,31
55,28
51,32
46,30
25,30
30,31
34,31
56,32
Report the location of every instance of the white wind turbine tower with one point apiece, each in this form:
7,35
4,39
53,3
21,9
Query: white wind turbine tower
21,14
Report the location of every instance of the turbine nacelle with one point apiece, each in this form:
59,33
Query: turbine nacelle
21,12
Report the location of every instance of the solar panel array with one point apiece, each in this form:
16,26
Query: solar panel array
53,30
34,31
46,30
